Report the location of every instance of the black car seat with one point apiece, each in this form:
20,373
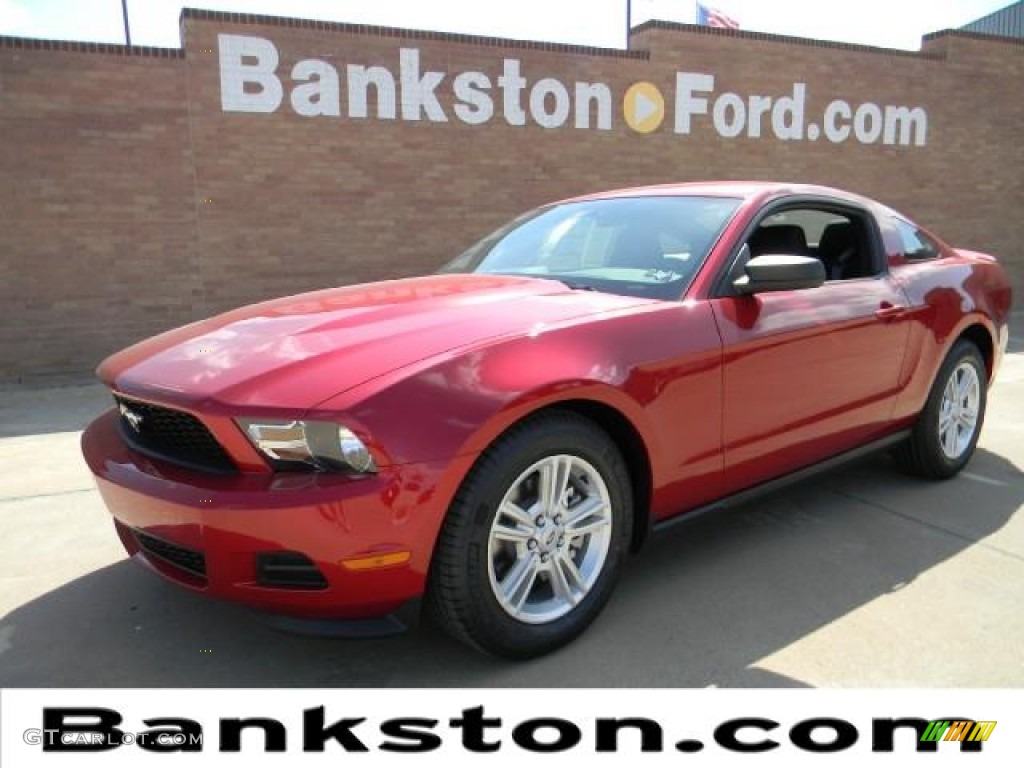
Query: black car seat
837,250
788,239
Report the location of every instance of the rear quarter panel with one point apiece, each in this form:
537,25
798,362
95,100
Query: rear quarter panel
946,296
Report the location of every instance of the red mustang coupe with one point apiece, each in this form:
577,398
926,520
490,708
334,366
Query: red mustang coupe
500,435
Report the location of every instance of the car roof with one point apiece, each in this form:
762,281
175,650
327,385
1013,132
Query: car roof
745,190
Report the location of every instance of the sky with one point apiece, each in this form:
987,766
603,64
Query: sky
886,23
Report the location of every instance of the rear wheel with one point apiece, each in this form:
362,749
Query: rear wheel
946,432
534,540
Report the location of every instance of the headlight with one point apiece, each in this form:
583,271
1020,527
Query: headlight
317,444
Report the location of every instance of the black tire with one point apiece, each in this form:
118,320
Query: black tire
460,596
922,454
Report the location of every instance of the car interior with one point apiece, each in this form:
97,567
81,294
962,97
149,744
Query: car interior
639,248
839,241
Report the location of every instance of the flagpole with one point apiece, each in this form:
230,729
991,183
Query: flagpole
629,20
127,32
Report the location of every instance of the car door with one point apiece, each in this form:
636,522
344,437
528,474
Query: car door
808,374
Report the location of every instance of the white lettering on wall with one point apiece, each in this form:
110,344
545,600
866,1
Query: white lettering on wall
409,90
247,86
835,131
512,84
906,121
598,94
788,114
359,81
759,107
548,91
867,123
477,106
688,104
319,93
418,91
729,115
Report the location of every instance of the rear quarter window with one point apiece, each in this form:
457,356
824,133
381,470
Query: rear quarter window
917,245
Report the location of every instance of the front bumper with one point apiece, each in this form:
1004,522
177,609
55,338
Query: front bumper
206,532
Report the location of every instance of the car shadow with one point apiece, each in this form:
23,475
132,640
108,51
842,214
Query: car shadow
700,606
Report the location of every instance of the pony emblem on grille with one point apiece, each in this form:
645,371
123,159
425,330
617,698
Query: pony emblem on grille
134,419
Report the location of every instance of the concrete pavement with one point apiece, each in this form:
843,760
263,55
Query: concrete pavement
861,577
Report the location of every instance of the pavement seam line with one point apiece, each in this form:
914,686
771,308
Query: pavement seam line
927,524
46,495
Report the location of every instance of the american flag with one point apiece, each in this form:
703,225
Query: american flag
712,17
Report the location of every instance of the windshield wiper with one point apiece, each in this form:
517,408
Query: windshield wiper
575,286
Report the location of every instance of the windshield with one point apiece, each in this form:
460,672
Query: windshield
649,247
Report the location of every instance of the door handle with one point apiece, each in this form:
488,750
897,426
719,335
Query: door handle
889,311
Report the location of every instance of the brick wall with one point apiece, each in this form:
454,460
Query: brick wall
132,202
97,213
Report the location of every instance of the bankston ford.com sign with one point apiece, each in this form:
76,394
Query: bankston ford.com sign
251,81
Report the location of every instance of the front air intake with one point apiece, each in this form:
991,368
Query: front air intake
288,570
188,560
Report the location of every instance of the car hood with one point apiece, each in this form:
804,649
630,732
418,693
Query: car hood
296,352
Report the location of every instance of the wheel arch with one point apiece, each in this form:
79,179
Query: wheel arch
634,452
981,336
614,420
922,453
974,329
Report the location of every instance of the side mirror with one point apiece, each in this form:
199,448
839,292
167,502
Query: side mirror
780,273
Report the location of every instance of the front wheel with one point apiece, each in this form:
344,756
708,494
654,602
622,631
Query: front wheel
947,430
532,545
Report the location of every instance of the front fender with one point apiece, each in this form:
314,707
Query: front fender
660,367
459,405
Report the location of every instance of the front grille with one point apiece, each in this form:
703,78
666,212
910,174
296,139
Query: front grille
174,436
188,560
288,570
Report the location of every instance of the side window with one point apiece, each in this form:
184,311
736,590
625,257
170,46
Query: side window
917,246
841,241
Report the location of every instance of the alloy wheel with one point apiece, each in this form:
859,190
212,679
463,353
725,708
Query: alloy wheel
958,413
549,539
